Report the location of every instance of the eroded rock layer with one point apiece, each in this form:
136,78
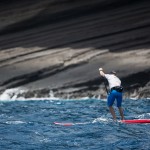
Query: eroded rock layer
60,44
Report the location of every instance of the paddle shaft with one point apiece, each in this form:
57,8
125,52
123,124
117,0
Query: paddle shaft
105,85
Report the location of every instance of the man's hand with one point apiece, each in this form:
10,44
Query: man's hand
101,72
100,69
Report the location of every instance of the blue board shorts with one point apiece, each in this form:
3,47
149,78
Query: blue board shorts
114,95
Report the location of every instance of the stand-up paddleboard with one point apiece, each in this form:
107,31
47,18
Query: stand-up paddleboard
136,121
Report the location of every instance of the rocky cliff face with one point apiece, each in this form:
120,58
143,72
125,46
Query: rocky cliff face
60,44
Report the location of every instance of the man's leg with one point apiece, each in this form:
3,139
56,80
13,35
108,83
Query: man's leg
121,113
110,102
119,102
111,109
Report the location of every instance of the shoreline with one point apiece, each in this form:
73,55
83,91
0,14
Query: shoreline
24,93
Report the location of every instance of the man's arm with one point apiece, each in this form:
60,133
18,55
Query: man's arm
101,72
103,75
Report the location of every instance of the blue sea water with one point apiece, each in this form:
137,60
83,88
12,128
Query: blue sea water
29,125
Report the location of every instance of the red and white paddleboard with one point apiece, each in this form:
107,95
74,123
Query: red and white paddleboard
136,121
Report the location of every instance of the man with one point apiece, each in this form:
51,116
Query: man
115,92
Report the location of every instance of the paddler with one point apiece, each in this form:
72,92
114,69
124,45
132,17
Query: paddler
115,92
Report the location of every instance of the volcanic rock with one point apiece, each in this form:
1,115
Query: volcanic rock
58,45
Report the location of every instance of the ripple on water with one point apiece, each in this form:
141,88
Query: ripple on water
30,125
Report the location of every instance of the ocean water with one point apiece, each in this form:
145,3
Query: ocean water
29,125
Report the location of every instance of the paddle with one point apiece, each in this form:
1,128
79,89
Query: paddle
105,83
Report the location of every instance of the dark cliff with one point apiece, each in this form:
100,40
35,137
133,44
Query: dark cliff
60,44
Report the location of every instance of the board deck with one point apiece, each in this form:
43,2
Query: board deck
136,121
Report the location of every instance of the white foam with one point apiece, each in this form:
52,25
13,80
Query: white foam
15,94
11,94
101,119
145,115
15,122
